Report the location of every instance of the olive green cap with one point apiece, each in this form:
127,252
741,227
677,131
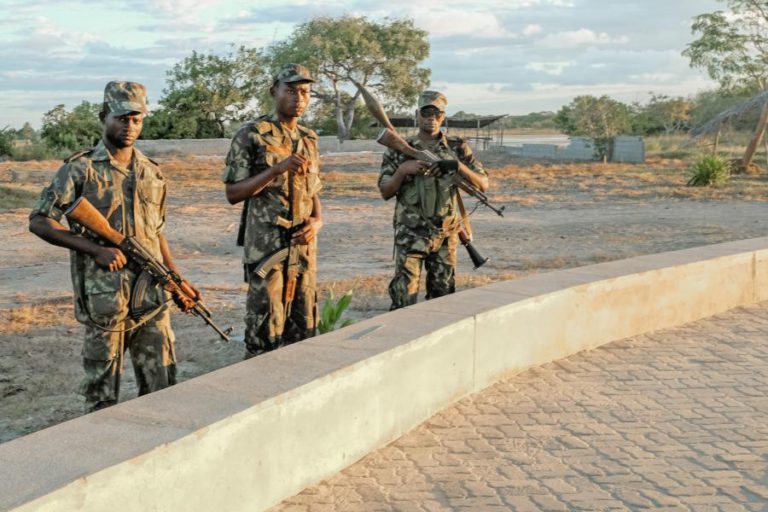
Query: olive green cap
433,99
291,73
125,97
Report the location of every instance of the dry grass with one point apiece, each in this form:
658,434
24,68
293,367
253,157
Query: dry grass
370,296
348,176
24,318
361,185
30,165
523,183
588,182
369,293
193,171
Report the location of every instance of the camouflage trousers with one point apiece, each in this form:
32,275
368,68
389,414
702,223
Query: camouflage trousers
266,327
152,351
439,260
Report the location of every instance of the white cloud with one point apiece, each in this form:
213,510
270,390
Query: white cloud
49,38
444,23
531,30
581,37
550,68
476,51
483,5
653,77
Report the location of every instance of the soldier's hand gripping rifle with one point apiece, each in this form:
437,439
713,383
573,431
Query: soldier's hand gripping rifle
84,213
391,139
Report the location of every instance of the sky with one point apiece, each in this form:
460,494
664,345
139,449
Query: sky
488,57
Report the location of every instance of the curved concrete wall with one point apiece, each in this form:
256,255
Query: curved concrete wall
247,436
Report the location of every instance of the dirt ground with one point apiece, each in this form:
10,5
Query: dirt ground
557,216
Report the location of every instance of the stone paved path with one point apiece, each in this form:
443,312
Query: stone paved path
674,420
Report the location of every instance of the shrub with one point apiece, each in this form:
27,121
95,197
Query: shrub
709,171
652,145
38,150
11,197
332,311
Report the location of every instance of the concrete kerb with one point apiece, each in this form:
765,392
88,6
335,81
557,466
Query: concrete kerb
247,436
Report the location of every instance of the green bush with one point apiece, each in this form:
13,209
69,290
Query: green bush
709,171
39,150
11,197
6,141
332,311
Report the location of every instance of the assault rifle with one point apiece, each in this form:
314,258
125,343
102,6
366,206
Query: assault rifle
84,213
288,254
391,139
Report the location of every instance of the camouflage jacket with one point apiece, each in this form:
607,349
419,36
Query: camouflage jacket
258,145
132,200
426,206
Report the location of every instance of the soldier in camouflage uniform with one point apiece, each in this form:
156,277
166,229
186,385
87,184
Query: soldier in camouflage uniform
427,217
129,190
265,156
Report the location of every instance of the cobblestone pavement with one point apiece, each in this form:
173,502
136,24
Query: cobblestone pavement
673,420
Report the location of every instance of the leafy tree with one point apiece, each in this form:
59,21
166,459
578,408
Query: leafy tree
600,119
26,132
322,119
384,57
164,124
533,120
671,114
733,48
205,93
7,136
73,130
465,115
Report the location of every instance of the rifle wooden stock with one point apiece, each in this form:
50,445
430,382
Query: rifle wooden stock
85,214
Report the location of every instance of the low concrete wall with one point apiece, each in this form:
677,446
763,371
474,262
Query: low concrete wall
220,147
247,436
627,149
184,147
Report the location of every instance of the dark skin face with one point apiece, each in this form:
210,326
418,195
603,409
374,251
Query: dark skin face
123,130
291,100
430,119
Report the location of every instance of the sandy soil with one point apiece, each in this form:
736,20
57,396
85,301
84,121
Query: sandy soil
556,216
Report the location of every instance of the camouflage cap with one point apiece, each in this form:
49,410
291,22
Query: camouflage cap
291,73
124,97
433,99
